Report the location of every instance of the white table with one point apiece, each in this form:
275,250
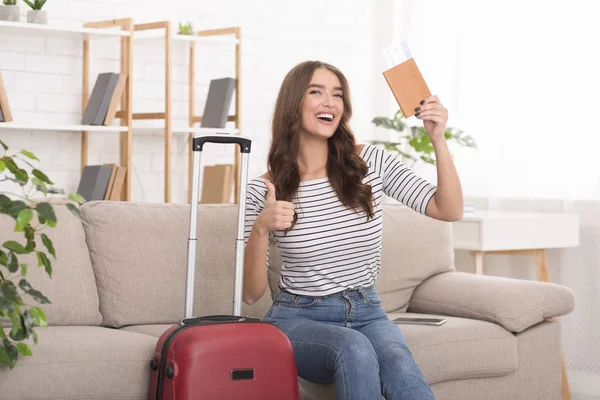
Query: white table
524,233
509,232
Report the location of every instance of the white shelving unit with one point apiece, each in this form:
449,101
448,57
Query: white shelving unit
27,29
61,128
184,41
160,34
224,35
123,31
119,30
186,130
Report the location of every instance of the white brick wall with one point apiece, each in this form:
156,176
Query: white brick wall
43,78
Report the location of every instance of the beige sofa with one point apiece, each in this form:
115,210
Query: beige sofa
119,283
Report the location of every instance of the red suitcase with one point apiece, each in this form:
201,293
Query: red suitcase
224,357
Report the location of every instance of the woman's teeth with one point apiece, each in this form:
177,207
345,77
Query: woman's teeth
327,117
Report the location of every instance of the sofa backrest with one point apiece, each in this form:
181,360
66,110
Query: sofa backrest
415,247
139,256
72,287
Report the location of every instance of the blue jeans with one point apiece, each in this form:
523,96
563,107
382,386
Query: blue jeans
348,339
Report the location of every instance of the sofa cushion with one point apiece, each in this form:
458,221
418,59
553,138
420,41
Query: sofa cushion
415,247
82,362
514,304
72,288
152,330
459,349
139,256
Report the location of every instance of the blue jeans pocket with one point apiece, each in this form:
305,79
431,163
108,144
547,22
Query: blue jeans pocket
289,300
371,298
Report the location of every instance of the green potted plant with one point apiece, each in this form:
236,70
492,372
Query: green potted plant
36,15
9,11
185,29
413,144
33,216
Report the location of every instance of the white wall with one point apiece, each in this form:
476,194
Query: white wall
522,78
43,77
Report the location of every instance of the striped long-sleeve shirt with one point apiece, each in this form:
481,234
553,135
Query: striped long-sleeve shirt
333,247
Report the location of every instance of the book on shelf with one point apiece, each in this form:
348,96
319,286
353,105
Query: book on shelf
115,100
4,105
118,183
104,95
94,182
102,182
218,102
111,180
217,184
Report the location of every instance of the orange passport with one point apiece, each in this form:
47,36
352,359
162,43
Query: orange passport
407,85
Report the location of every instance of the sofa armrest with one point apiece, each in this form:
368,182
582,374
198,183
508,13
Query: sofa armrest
514,304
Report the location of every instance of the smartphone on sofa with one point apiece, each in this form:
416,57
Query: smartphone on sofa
420,321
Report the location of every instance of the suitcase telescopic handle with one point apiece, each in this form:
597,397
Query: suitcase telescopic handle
197,145
244,142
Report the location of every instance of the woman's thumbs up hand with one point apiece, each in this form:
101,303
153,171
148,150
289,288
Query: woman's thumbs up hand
277,215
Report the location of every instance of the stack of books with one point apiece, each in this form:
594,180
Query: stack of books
102,182
218,102
101,108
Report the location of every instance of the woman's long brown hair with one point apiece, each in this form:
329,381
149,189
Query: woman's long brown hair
345,168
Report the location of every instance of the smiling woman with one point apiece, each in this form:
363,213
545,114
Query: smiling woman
321,204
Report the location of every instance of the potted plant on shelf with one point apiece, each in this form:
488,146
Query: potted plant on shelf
32,218
185,29
413,143
36,15
9,11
